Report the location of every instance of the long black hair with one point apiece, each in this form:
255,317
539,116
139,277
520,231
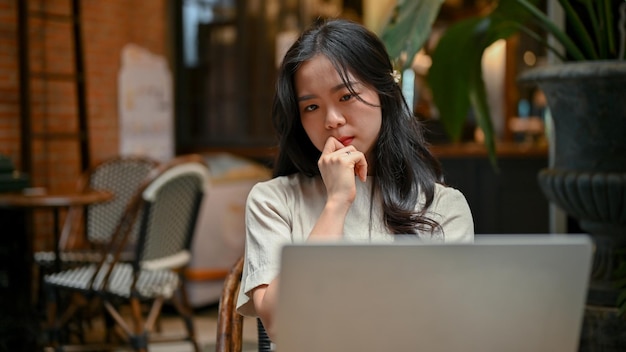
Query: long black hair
403,165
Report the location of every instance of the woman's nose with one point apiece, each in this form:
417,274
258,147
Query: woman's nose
334,119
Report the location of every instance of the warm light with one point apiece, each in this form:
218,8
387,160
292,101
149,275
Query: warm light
422,62
529,58
494,72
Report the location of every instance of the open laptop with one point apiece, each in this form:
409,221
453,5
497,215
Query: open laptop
500,293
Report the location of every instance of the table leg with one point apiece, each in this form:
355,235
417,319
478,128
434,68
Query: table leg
56,233
19,320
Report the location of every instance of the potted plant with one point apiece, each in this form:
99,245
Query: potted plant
586,96
458,53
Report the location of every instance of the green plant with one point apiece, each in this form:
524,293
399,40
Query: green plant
455,76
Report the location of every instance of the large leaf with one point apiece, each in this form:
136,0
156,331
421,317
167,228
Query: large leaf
409,28
455,76
448,77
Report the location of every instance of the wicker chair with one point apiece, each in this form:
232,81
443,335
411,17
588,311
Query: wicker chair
230,323
87,230
167,205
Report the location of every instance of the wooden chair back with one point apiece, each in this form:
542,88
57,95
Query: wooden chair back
230,323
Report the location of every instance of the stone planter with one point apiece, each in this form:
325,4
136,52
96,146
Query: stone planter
587,101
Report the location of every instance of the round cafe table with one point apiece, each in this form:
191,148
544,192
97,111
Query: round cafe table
16,297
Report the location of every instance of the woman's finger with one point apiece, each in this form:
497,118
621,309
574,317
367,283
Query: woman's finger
331,145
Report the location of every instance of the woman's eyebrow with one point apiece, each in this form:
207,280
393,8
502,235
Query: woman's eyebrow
344,85
334,89
305,97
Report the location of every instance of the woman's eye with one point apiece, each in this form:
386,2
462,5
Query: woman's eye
346,97
310,107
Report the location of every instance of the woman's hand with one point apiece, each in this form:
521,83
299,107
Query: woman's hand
338,165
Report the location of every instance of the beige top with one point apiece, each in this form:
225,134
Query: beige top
285,209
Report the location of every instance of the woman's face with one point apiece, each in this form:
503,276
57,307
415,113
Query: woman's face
328,109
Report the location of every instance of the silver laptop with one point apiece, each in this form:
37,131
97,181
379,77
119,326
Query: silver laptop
500,293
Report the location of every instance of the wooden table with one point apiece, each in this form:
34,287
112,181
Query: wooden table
20,319
19,315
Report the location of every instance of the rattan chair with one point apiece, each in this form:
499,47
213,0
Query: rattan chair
230,323
168,205
88,229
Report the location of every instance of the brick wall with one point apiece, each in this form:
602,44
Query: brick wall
106,27
9,81
109,25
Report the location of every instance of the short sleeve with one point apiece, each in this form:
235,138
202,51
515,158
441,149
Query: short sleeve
267,219
453,214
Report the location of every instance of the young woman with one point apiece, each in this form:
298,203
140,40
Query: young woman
352,164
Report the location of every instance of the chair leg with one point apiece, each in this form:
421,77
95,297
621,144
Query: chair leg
181,303
136,335
51,313
139,339
156,326
117,318
40,292
109,326
57,325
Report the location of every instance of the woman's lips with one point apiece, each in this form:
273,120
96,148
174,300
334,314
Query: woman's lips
346,140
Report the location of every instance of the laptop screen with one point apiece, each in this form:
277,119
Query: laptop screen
500,293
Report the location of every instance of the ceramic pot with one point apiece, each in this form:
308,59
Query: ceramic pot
587,102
